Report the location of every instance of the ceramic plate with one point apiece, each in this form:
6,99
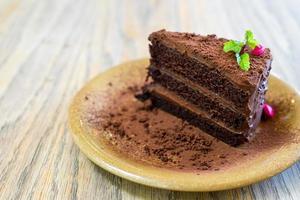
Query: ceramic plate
265,164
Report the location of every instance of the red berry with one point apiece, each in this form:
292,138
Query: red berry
268,111
258,50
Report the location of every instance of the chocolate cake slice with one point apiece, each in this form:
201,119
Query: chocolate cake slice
194,79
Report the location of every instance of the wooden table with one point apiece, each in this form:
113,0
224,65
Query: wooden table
50,48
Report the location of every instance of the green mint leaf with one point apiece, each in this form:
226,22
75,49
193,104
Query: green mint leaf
244,62
233,45
249,39
249,35
252,43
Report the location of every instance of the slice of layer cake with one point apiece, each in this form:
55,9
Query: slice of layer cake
194,79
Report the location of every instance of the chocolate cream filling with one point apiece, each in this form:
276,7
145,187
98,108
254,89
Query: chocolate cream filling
257,100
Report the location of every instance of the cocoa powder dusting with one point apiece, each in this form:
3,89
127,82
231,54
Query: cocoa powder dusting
152,136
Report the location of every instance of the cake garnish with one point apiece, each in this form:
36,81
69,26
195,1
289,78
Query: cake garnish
258,50
249,39
268,111
238,47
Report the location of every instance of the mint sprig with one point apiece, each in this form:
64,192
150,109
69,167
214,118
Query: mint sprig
249,39
244,62
232,45
242,58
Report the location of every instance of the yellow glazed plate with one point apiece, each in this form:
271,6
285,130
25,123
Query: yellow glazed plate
267,164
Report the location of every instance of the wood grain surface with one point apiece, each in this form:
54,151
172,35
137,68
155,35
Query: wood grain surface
50,48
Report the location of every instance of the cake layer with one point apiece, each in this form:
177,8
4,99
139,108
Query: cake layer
200,73
205,100
185,111
202,60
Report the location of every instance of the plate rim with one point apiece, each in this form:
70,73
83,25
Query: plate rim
120,169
